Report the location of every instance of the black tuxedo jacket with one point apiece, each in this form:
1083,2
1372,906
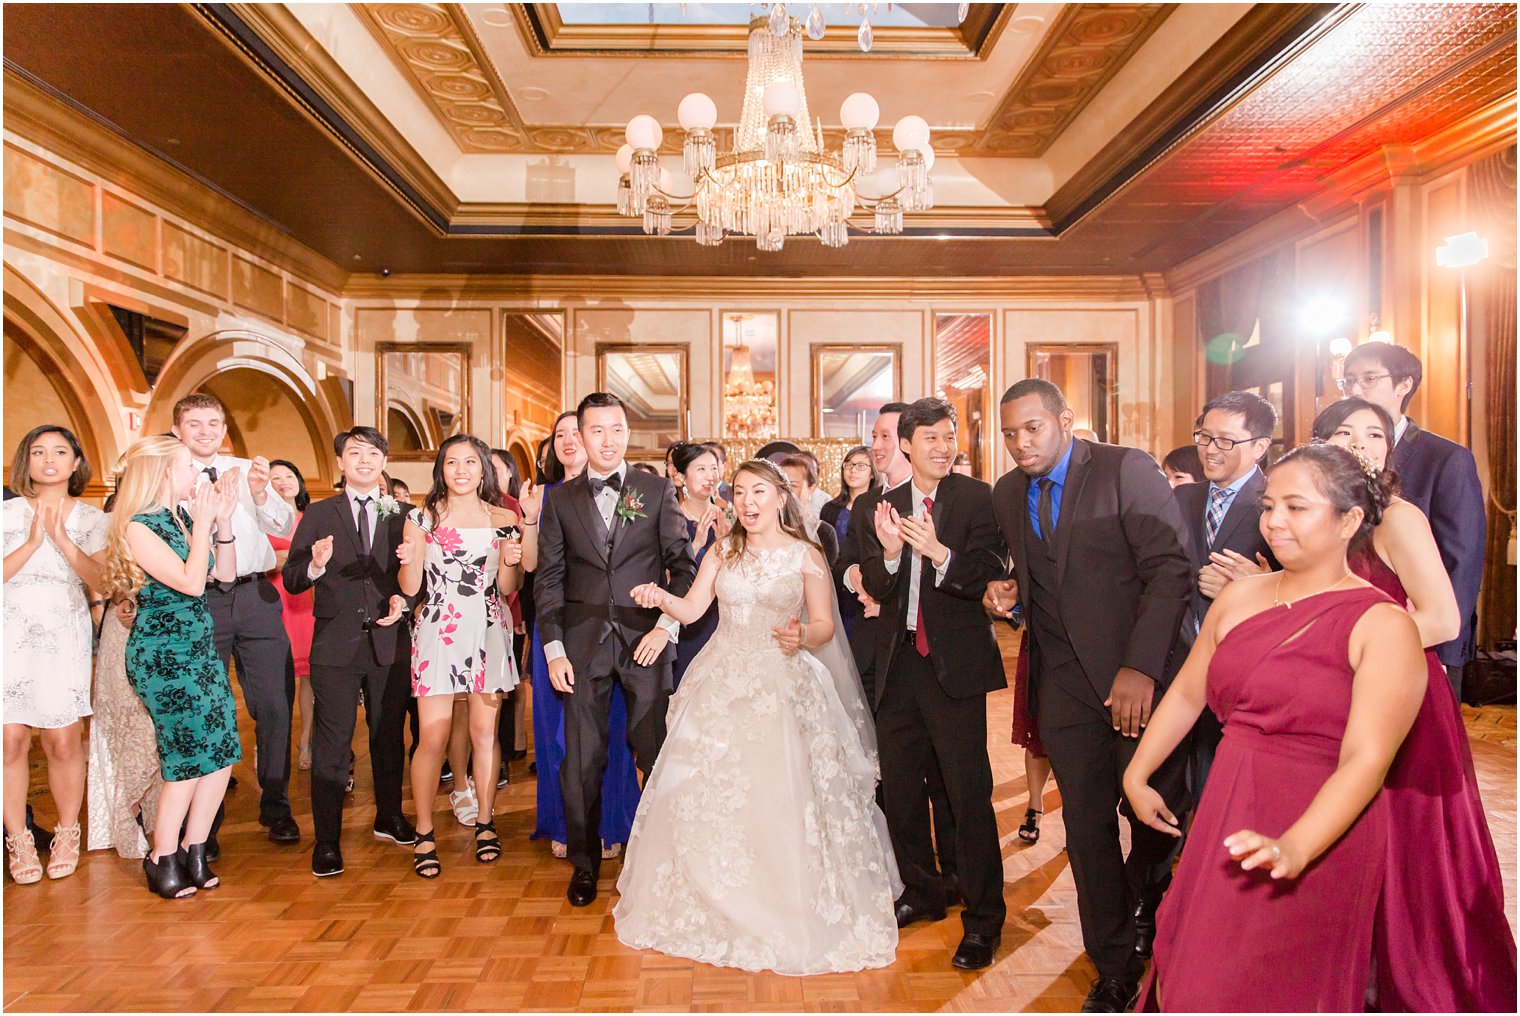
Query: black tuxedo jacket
1240,531
585,573
961,644
356,588
1124,574
1441,477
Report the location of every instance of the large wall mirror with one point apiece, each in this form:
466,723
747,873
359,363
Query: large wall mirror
850,383
653,383
1088,374
749,374
422,389
962,365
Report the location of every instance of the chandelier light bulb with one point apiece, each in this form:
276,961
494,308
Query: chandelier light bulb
859,111
697,112
644,131
624,158
781,99
911,132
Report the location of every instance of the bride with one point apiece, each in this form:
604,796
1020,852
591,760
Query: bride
757,843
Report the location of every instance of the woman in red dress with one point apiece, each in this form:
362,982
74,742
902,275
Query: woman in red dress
1026,734
288,482
1442,941
1317,677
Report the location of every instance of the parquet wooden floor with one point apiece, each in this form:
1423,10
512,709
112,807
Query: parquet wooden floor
501,937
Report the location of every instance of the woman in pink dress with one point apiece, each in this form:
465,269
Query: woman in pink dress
1442,942
288,482
1317,677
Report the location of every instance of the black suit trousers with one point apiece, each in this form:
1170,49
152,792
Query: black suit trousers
250,630
1088,757
586,733
335,694
917,724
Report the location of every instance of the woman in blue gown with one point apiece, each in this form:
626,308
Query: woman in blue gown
563,460
855,478
706,521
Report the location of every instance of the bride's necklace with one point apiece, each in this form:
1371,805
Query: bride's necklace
1278,601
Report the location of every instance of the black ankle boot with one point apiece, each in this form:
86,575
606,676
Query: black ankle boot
196,867
168,877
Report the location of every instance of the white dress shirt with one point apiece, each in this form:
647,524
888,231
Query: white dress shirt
915,575
253,524
372,509
606,502
1398,430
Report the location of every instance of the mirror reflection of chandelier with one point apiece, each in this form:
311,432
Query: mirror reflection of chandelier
779,180
749,406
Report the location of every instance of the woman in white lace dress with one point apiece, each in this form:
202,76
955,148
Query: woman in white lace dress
757,842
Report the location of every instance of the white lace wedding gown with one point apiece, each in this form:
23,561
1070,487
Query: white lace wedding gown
757,843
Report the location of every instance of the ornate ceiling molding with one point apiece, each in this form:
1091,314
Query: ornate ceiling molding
1081,53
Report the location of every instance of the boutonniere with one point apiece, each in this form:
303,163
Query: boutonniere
630,506
386,506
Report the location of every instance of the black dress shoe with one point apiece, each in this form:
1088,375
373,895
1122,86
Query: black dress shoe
326,860
519,754
1145,924
582,891
975,951
396,829
213,848
907,913
1111,994
282,829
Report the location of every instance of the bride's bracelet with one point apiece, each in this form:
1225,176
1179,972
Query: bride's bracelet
802,642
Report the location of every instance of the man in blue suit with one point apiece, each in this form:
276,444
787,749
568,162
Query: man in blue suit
1438,475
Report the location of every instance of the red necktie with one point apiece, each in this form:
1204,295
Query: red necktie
921,637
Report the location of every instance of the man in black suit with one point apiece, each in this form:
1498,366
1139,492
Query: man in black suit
892,467
345,548
606,531
1438,475
1103,580
931,550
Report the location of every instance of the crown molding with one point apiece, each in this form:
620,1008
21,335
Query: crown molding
591,291
41,116
599,220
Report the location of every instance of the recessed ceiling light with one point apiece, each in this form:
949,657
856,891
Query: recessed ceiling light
1027,23
171,141
532,93
358,257
497,17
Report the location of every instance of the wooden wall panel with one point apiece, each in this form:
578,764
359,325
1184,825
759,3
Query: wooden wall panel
42,195
258,289
128,231
197,263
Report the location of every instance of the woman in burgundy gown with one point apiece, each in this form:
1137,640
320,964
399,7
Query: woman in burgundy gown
1317,677
1441,941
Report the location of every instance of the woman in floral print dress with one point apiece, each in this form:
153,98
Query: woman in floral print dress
463,543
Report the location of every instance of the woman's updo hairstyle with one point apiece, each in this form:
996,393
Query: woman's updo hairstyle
684,453
1339,411
1348,481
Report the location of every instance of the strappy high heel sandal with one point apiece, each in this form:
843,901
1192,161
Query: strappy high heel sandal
489,849
26,866
1029,832
168,877
426,863
63,858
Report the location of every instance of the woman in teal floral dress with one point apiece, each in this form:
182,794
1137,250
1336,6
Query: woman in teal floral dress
161,558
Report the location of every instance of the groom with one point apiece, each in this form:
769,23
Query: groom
604,532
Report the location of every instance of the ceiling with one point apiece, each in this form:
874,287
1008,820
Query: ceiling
478,138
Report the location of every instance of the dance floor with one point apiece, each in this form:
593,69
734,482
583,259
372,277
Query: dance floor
501,937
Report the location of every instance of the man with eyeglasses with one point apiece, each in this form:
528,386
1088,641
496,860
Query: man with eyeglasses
1438,475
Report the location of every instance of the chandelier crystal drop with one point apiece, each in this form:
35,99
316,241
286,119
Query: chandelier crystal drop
779,179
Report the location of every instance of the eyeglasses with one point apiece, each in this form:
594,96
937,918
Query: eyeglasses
1362,381
857,465
1224,444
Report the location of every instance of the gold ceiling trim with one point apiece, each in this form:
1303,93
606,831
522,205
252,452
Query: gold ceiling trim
435,48
1081,53
545,33
1027,217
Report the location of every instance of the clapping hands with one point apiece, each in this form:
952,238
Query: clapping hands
888,531
321,552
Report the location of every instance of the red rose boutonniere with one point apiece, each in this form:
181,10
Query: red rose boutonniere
630,506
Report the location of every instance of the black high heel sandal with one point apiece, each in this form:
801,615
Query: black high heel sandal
487,850
1029,832
168,877
426,864
196,867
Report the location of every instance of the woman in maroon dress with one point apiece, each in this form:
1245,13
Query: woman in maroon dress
1317,677
1441,941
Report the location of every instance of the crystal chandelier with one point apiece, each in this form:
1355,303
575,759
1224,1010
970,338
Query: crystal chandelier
749,406
778,180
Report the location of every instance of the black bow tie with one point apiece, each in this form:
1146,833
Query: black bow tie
210,473
615,481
